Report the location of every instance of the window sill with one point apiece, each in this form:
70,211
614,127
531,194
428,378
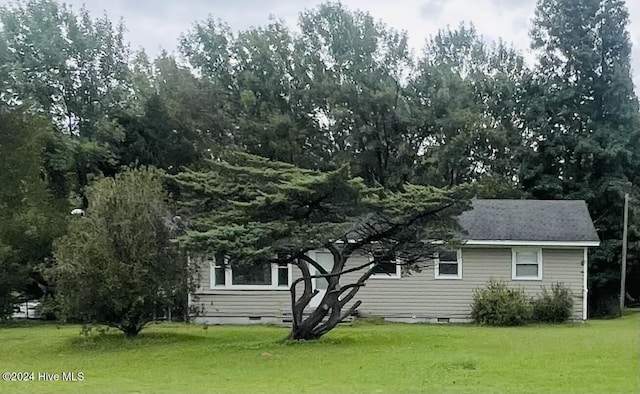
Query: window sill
452,277
384,276
527,279
270,288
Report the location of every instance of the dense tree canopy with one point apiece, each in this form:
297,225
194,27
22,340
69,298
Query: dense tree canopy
340,89
31,216
468,106
583,123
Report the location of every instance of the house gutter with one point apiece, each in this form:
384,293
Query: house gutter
509,242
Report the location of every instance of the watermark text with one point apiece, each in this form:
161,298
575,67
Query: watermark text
42,376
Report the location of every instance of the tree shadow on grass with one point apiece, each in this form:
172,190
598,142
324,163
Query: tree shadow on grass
18,323
340,338
324,341
219,337
114,341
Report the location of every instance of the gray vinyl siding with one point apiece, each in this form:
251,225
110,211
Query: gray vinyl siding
272,303
421,296
418,295
244,303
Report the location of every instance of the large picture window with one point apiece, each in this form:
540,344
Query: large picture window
448,264
257,275
526,264
227,275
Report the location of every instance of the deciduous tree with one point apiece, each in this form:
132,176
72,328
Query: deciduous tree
74,69
30,215
116,266
467,113
584,123
356,70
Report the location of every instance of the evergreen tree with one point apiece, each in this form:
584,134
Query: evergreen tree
157,139
255,211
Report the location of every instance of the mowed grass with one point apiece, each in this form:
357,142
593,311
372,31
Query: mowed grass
595,357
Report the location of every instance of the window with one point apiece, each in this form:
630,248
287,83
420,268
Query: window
262,276
258,275
386,266
448,264
526,264
218,271
283,275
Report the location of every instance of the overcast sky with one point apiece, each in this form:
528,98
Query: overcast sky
155,24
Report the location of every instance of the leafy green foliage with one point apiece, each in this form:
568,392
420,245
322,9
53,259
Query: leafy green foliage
11,278
499,305
341,89
156,139
30,215
466,103
584,123
194,116
74,69
356,72
258,208
116,266
72,66
553,306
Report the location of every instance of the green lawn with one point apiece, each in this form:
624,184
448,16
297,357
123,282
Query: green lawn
599,356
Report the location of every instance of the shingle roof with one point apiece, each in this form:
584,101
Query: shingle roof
528,220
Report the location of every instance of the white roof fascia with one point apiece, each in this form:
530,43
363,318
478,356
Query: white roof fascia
480,242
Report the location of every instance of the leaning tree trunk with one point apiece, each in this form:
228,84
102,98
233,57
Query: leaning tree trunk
330,312
131,330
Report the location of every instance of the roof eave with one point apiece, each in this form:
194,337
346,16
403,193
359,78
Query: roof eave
507,242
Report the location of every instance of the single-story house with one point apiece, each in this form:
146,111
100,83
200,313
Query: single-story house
526,243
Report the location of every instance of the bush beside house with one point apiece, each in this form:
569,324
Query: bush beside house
499,305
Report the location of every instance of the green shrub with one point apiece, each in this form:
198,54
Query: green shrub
553,306
499,305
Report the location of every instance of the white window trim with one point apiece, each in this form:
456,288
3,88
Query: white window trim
312,269
289,276
228,279
313,254
513,263
397,275
436,266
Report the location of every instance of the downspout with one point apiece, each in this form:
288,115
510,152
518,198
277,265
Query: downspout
187,314
585,290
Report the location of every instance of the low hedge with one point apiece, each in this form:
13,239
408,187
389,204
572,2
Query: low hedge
499,305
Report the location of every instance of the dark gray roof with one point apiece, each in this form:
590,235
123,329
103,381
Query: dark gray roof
528,220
